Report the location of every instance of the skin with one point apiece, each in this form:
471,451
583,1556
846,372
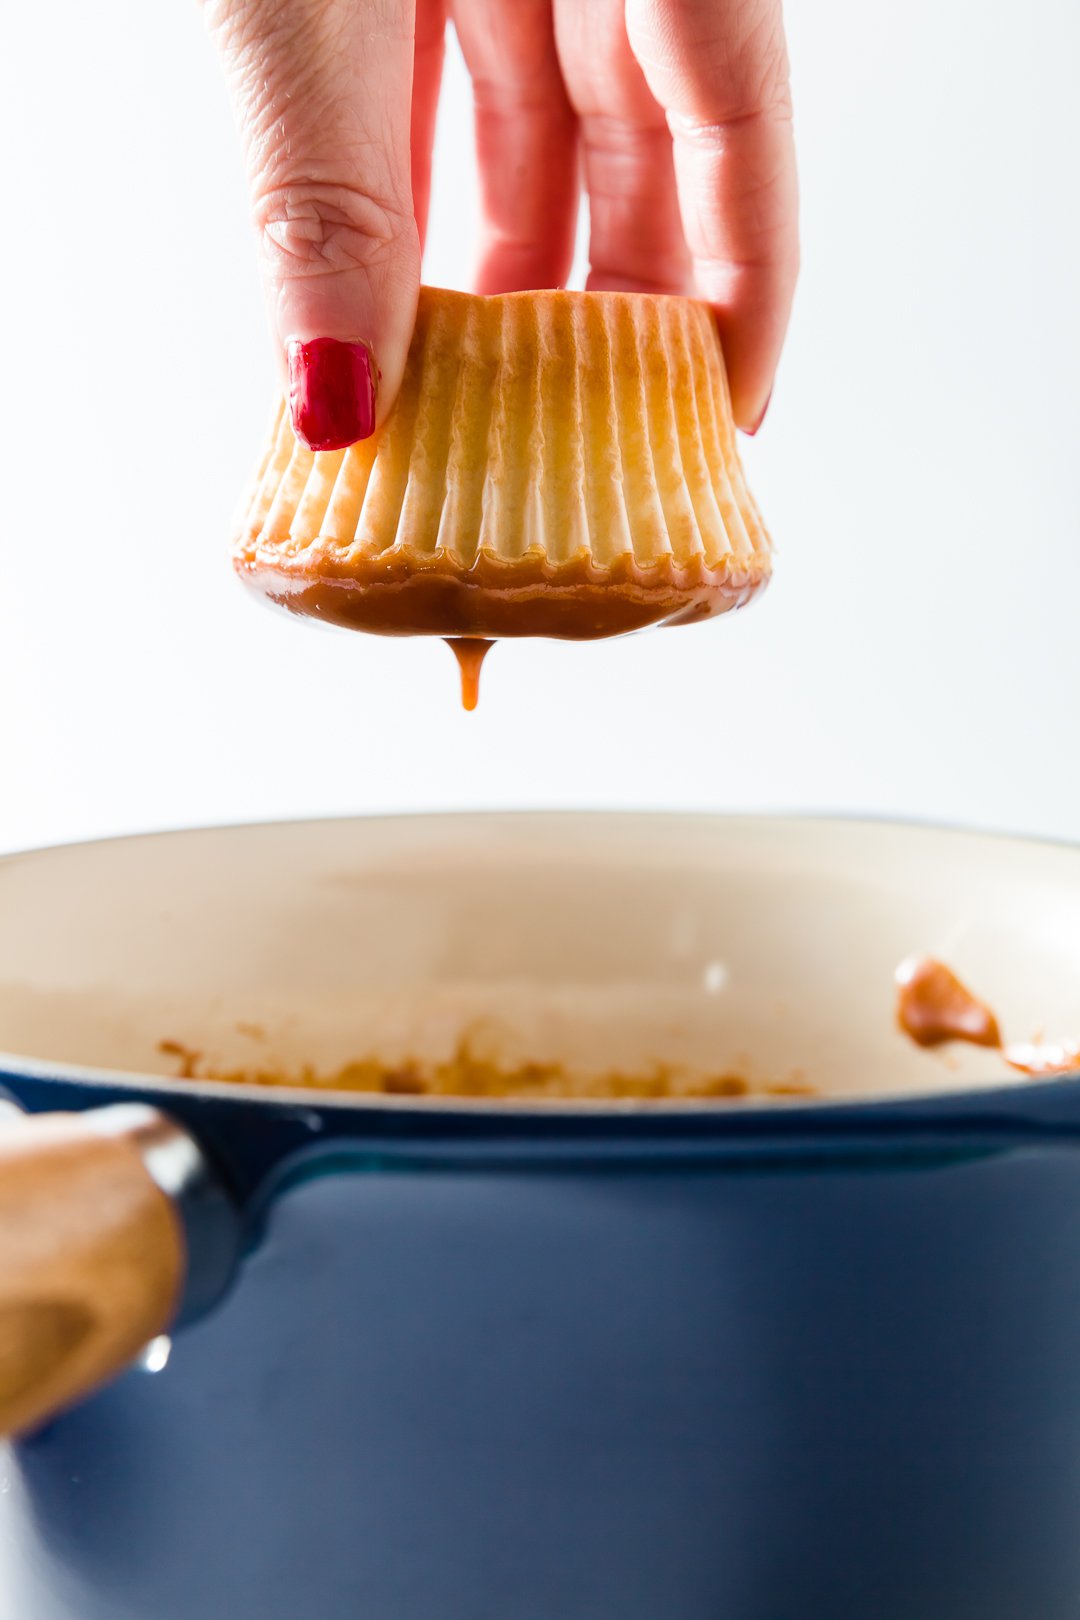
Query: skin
674,114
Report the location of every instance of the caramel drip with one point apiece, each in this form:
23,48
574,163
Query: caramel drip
470,653
933,1006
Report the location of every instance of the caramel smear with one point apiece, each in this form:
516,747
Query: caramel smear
933,1006
470,653
1042,1058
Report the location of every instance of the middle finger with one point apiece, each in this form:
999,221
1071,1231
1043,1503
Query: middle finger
636,240
526,140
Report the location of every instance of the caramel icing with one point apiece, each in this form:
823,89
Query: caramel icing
570,601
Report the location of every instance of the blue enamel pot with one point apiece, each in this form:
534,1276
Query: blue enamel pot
789,1356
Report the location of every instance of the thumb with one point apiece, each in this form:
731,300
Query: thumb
322,91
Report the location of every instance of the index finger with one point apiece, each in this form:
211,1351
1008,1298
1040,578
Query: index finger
720,71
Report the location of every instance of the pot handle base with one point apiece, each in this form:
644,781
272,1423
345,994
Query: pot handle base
95,1257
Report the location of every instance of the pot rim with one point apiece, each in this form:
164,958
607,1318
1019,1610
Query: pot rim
989,1104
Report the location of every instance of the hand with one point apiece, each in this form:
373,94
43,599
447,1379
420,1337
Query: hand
680,109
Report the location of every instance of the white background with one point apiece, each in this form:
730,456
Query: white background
919,651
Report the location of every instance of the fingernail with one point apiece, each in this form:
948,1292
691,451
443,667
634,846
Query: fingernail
331,392
764,409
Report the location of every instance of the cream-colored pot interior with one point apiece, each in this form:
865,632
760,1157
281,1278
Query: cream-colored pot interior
760,947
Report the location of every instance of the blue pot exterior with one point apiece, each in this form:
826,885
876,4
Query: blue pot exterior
807,1364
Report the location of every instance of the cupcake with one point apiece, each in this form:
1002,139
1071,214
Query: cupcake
556,464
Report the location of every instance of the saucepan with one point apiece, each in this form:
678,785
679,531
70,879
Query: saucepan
272,1351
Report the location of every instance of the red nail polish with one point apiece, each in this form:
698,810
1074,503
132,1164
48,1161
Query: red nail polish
752,430
331,392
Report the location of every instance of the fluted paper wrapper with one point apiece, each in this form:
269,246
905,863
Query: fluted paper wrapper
555,464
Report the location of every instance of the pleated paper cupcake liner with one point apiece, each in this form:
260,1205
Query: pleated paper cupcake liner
555,464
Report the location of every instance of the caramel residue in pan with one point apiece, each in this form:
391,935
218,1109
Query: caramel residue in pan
468,1074
189,1059
470,652
933,1006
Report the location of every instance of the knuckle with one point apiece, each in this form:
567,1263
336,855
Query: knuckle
750,112
313,229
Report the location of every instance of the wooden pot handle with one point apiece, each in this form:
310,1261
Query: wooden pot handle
92,1256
